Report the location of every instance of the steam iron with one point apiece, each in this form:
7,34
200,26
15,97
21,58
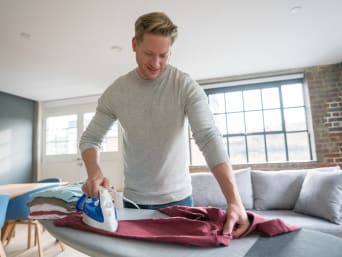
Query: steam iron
99,212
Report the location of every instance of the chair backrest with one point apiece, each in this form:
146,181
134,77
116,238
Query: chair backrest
4,199
17,207
50,180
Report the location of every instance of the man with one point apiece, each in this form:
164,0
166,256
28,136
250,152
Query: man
152,104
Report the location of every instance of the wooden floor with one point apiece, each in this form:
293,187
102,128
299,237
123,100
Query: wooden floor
17,246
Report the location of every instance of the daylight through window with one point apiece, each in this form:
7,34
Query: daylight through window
261,123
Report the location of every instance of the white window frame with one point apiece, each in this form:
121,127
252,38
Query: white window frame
222,83
78,106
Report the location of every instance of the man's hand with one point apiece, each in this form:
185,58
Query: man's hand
237,221
95,177
92,185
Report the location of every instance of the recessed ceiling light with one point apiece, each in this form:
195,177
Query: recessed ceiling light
25,35
296,9
116,48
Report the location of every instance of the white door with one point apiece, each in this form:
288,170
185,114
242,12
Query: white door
62,126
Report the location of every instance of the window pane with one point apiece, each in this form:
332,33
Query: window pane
252,100
61,135
220,121
270,98
276,148
110,144
265,115
197,157
87,118
298,146
236,123
237,150
292,95
295,119
111,140
254,122
272,119
234,102
256,149
216,103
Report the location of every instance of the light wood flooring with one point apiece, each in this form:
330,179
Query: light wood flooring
18,244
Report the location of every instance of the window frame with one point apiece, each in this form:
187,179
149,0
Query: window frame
212,87
77,107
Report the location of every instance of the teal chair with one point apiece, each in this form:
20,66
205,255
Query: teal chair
4,199
50,180
18,213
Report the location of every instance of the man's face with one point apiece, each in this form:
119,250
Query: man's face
152,55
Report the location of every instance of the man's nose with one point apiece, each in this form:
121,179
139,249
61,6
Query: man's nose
155,61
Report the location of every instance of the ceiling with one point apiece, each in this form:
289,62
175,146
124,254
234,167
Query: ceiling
57,49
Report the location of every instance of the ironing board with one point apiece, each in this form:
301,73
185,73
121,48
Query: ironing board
301,243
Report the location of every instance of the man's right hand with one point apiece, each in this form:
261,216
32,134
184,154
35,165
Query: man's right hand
95,177
92,185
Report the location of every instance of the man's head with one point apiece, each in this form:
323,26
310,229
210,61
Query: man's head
154,36
156,23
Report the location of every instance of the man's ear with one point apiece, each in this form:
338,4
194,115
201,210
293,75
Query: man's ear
134,44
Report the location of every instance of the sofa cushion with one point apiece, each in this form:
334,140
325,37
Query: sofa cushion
280,189
321,196
303,221
276,189
244,184
206,191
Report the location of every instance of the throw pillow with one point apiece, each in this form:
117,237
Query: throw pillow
244,184
206,191
276,189
321,196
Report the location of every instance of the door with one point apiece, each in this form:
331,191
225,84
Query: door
62,126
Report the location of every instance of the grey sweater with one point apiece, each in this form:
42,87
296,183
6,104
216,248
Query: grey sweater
154,115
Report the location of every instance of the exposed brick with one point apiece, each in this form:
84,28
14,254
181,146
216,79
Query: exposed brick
325,91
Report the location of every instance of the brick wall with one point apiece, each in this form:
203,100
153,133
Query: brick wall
325,89
324,84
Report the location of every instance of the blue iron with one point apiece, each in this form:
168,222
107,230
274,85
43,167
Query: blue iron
99,212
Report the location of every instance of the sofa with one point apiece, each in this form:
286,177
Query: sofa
309,198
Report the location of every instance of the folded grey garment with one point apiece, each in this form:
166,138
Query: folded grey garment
70,206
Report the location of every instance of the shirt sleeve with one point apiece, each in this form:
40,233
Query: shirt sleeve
103,119
204,130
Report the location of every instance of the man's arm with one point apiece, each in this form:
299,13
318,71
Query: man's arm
237,220
91,141
209,140
95,176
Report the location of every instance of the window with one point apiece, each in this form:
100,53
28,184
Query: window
261,123
63,133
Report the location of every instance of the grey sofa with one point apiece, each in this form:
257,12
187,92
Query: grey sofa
309,198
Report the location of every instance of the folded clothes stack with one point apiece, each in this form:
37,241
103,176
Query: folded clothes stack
56,202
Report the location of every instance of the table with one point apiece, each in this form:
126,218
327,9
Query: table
15,190
301,243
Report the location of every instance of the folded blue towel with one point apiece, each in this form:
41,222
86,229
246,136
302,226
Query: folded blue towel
69,193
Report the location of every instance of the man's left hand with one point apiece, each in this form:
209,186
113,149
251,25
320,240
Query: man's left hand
237,221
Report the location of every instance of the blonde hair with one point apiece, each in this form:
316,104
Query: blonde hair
157,23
